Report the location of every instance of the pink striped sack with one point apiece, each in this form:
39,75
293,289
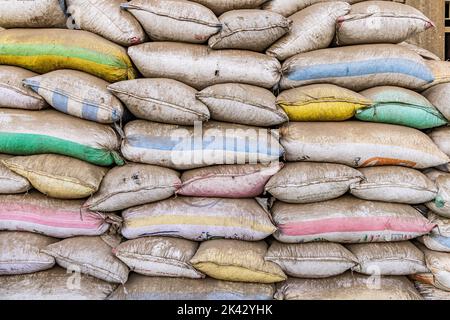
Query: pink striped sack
37,213
348,220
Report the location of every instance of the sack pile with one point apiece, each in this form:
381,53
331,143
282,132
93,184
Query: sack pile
221,150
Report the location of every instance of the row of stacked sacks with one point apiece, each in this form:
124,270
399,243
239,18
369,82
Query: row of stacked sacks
200,233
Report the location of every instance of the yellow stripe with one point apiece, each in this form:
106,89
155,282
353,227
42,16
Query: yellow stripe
321,111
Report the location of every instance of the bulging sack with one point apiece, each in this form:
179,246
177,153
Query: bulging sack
348,220
441,73
107,19
45,50
202,66
78,94
313,28
161,100
20,253
58,176
321,102
439,96
199,219
222,6
228,181
305,182
441,137
185,148
289,7
358,68
235,260
36,132
359,144
380,22
439,265
400,106
32,14
441,203
52,285
388,259
141,287
430,292
439,238
242,104
159,257
424,53
132,185
252,30
12,92
174,20
10,182
89,255
348,286
35,212
311,260
394,184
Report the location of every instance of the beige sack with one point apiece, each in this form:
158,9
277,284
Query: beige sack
289,7
388,259
311,260
58,176
13,94
394,184
252,30
10,182
106,18
159,257
424,53
174,20
243,104
439,96
185,148
199,219
348,287
20,253
89,255
54,284
360,144
429,292
141,287
221,6
313,28
161,100
202,67
235,260
439,265
312,182
132,185
440,205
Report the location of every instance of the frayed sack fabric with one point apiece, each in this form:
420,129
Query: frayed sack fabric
311,260
235,260
141,287
45,50
10,182
78,94
13,94
159,257
242,104
358,68
199,219
20,253
58,176
203,67
228,181
26,132
307,182
107,19
35,212
359,144
161,100
348,220
394,184
132,185
174,20
54,284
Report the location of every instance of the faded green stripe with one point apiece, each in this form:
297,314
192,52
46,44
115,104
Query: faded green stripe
25,50
29,144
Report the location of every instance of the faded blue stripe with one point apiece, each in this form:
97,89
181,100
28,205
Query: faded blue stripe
445,241
189,144
89,111
33,84
59,100
361,68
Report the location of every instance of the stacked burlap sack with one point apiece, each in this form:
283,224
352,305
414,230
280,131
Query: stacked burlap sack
153,171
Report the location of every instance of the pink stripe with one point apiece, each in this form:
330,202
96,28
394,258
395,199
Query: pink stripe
356,225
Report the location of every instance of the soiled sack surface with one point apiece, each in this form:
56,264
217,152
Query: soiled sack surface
221,6
10,182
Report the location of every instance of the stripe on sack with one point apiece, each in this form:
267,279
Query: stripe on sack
361,68
445,241
89,111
